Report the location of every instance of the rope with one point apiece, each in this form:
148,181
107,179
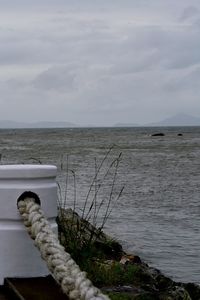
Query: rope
66,272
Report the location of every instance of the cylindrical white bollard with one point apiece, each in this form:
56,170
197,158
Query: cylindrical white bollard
18,255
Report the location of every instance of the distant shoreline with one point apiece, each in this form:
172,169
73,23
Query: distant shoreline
100,127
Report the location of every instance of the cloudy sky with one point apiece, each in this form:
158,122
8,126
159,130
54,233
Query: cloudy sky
99,61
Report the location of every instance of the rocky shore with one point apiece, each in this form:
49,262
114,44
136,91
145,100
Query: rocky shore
119,274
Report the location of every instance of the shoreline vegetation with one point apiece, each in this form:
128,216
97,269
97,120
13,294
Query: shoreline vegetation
120,275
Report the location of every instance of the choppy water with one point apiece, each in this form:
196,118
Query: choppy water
158,215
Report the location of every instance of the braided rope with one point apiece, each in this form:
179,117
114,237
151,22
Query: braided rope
66,272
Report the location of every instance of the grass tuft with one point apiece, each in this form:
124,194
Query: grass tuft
83,236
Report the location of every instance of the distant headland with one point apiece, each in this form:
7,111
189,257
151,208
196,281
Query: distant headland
176,120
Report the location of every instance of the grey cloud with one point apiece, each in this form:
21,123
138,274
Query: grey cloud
136,62
88,39
101,59
189,81
182,48
189,12
56,78
173,47
57,43
70,5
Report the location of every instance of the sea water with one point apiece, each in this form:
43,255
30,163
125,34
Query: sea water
158,213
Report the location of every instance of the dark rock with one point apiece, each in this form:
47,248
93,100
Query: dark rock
131,291
179,134
163,282
122,289
176,293
193,290
146,296
158,134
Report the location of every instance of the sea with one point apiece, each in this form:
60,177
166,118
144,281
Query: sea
143,190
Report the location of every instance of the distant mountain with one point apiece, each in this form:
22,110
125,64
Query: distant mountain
53,124
178,120
12,124
126,125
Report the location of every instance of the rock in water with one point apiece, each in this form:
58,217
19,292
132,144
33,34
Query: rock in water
158,134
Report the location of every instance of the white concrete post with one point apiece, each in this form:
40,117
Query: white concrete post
18,255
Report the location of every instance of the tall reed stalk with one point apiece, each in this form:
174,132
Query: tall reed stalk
96,204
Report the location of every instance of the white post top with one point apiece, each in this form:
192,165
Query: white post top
27,171
18,256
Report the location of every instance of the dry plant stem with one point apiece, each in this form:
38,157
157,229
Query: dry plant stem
63,203
66,183
61,163
59,195
111,192
115,202
95,193
97,190
94,179
103,200
74,180
74,202
87,217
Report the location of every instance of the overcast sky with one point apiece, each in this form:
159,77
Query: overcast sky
99,61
